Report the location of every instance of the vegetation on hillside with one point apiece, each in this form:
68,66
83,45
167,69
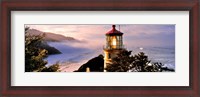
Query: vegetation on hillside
125,62
52,37
51,50
34,54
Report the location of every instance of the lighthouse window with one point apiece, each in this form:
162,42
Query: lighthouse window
114,41
118,37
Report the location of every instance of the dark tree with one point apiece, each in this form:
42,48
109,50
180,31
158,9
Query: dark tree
34,55
125,62
52,68
140,62
121,63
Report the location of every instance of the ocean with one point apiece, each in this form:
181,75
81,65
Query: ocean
75,54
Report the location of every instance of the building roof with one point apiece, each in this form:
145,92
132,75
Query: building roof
114,31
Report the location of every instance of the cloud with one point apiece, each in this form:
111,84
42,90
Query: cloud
135,34
148,29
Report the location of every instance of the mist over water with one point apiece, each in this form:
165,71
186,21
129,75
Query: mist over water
73,55
76,54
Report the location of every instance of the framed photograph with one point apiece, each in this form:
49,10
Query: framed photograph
61,48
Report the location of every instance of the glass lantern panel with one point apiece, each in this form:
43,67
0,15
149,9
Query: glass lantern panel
114,40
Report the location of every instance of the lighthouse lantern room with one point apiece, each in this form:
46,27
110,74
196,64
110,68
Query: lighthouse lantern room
114,44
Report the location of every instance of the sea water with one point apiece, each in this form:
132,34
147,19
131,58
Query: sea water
73,56
165,55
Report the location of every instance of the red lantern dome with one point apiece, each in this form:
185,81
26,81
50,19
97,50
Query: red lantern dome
114,31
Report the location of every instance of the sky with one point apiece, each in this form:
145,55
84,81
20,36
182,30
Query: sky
138,35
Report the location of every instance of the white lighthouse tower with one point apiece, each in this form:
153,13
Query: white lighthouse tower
114,44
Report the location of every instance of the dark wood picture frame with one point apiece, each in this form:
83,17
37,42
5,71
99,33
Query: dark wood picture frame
193,90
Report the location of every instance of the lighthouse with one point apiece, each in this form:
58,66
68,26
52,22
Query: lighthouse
114,44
